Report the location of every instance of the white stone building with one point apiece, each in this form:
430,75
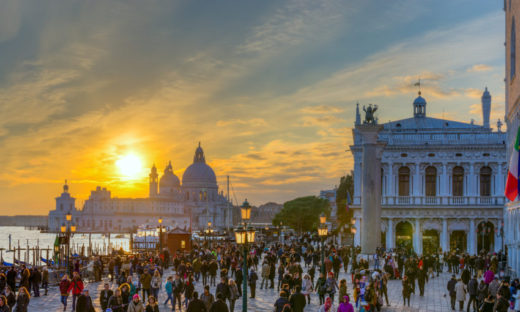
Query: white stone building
442,182
512,118
190,205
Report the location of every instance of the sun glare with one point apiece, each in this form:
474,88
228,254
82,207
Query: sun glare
130,166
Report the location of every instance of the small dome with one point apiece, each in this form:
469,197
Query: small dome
199,171
169,179
419,100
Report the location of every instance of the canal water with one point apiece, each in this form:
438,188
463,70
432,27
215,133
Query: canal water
14,236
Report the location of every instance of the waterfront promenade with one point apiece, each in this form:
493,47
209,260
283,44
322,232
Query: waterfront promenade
433,301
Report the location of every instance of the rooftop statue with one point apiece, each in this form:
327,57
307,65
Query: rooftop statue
369,114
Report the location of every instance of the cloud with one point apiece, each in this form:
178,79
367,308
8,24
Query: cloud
253,122
10,19
479,68
326,120
322,109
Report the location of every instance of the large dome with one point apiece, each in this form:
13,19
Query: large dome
169,179
199,171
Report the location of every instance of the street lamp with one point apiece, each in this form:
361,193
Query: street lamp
160,234
209,233
243,235
322,232
68,229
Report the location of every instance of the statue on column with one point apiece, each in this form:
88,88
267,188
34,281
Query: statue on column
369,114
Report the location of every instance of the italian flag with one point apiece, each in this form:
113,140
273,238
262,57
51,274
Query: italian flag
512,176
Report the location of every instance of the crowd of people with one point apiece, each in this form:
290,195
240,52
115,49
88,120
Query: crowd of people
134,282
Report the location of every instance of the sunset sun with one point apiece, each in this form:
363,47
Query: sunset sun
130,166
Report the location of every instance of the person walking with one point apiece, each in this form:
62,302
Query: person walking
345,305
327,306
135,305
152,305
266,269
45,280
156,283
115,303
76,286
473,293
233,294
207,297
280,303
84,303
4,307
407,290
196,305
22,301
253,277
146,283
219,305
460,290
168,287
104,296
451,289
297,300
64,290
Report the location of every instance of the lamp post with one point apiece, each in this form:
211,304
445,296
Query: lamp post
245,234
68,229
322,232
209,233
160,234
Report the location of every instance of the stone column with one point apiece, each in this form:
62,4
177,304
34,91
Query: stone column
357,238
417,237
390,234
472,237
444,180
417,181
444,236
371,187
390,180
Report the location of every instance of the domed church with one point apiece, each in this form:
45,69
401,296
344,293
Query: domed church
191,204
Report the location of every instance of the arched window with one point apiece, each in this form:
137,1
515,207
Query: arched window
485,181
404,181
458,181
431,181
512,52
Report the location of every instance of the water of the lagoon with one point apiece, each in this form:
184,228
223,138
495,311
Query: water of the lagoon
34,238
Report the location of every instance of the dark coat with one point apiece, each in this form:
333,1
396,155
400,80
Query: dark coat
84,304
104,297
298,302
280,303
219,306
196,305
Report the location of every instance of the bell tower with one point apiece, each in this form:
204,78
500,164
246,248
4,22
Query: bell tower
154,177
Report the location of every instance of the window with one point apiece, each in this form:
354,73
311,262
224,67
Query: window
512,52
458,181
485,181
431,181
404,181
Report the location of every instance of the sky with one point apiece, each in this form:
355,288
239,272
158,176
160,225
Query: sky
268,87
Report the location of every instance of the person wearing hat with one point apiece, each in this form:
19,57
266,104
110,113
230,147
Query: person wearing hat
136,305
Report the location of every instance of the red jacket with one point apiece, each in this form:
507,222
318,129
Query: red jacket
76,286
64,287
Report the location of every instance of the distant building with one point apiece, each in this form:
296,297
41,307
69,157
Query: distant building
442,182
512,117
330,195
188,206
265,213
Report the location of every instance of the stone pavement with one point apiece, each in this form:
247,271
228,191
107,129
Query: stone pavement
433,301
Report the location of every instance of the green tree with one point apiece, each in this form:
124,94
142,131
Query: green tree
346,185
302,214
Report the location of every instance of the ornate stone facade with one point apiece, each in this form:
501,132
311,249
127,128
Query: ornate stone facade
442,183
